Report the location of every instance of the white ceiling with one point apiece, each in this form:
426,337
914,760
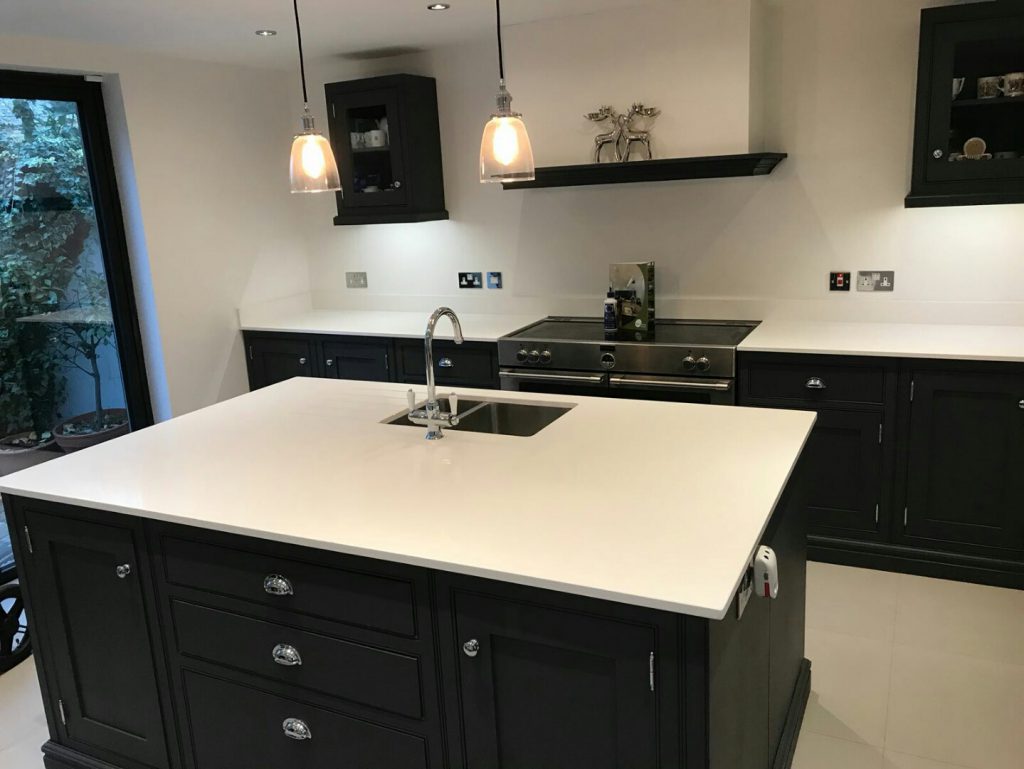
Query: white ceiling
223,30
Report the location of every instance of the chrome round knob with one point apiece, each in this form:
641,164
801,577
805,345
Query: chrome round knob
329,362
397,185
608,360
534,356
522,355
703,364
545,357
937,154
302,361
123,570
689,363
471,648
1021,405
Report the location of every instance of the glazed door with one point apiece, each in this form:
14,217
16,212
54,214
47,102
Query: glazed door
85,579
372,160
549,689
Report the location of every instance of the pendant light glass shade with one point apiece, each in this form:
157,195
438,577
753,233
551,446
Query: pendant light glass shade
506,154
313,168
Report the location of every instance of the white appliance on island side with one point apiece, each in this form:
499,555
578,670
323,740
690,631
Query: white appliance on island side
288,577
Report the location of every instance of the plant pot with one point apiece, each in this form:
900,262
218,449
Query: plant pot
70,440
13,459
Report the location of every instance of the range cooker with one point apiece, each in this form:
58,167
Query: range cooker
692,361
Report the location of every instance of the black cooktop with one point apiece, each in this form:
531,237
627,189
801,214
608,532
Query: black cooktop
679,332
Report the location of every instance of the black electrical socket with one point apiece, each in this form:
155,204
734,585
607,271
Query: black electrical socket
839,281
471,280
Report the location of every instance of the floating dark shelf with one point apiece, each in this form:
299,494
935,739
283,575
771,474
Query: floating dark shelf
1018,100
365,150
671,169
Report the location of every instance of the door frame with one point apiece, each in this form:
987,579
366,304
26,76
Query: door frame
88,96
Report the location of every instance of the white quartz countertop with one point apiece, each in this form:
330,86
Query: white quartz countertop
653,504
476,328
900,340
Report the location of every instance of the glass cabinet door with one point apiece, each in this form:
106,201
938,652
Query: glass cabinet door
976,129
371,160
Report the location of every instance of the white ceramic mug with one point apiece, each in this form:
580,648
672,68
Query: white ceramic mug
376,138
989,87
958,86
1013,84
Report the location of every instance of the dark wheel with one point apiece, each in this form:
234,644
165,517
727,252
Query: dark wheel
14,639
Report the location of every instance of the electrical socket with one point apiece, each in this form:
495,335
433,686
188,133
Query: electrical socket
839,281
471,280
876,280
494,280
356,280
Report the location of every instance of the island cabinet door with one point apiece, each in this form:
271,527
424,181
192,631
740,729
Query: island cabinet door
548,689
86,581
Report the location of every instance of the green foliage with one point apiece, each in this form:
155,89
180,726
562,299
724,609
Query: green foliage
45,217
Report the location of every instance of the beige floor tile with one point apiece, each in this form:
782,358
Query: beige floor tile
956,617
22,755
849,686
894,760
816,751
21,708
957,709
858,602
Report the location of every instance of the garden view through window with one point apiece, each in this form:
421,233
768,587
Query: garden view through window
61,385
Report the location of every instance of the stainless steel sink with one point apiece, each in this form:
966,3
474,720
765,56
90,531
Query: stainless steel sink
496,417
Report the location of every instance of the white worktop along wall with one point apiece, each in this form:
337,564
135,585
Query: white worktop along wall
840,90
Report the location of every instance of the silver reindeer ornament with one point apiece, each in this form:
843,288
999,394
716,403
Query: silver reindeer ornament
625,133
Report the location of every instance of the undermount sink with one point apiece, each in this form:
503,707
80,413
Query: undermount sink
496,417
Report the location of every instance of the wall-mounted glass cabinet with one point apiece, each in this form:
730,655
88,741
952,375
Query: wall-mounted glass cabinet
387,141
969,138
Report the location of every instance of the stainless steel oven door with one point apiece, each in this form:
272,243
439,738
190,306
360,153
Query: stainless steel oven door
557,382
674,389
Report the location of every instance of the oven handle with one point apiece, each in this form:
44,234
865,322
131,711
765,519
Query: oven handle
646,383
577,378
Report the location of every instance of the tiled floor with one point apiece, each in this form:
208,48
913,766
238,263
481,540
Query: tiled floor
909,673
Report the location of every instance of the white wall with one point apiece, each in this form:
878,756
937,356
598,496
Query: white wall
201,151
839,97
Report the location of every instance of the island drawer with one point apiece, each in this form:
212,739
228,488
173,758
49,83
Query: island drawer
234,727
811,382
374,601
331,666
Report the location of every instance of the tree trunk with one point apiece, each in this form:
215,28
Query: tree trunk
94,364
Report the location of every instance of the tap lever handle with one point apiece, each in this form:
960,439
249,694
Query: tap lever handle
453,401
411,399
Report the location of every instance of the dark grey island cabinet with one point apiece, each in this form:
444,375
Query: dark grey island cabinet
170,647
913,464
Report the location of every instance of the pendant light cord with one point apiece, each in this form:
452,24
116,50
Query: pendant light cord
302,61
501,54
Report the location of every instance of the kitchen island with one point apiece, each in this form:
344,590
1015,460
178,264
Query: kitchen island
284,579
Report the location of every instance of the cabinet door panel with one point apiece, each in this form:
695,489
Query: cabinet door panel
96,624
276,360
368,362
551,689
966,451
843,472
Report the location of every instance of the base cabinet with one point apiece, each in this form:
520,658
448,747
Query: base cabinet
912,465
966,449
169,647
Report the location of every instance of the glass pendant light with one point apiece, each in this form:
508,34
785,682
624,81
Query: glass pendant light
313,168
505,151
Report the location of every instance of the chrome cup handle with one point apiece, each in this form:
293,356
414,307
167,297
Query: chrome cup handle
287,655
815,383
275,584
296,729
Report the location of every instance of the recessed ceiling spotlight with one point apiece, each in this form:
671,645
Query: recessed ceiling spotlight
266,32
438,7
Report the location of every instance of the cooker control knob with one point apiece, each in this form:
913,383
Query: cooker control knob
689,363
703,364
545,357
521,356
534,356
608,360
